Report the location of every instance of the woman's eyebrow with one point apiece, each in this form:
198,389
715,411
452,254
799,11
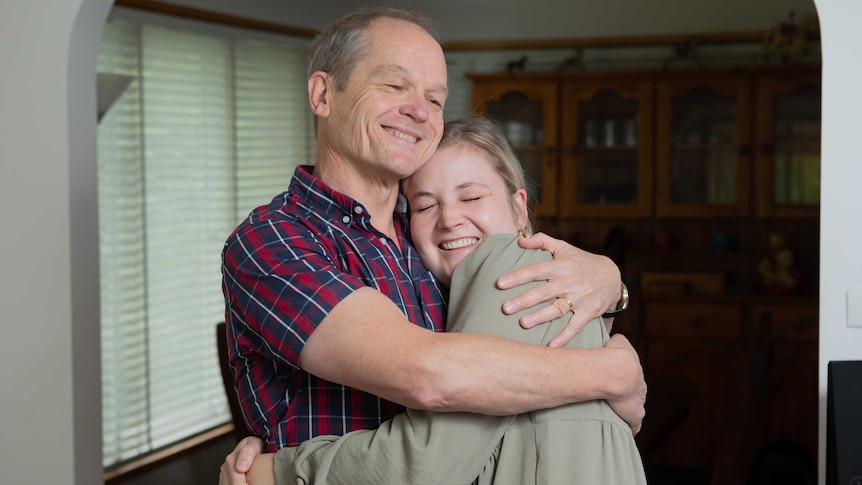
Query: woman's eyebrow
467,185
421,193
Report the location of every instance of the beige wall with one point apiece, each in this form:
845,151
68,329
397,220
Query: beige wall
49,374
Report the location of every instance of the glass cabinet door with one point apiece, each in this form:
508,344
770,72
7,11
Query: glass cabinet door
788,136
526,112
703,148
607,143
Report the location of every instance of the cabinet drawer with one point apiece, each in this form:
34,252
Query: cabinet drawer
694,320
792,322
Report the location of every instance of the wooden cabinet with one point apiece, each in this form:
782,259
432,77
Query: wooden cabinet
714,143
697,342
606,139
595,143
787,134
527,112
793,384
700,339
703,146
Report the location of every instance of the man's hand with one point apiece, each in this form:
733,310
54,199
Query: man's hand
631,399
589,281
238,462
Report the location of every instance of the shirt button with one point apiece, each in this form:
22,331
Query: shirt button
345,219
357,210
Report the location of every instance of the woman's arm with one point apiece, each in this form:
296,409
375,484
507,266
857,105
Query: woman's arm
590,281
413,447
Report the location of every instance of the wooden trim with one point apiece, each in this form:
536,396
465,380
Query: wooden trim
592,42
167,453
215,17
652,74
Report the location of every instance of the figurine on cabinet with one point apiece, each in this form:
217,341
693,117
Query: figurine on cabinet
778,271
789,40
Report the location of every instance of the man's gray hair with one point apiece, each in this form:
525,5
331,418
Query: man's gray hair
340,46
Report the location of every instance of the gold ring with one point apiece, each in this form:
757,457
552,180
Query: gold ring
571,305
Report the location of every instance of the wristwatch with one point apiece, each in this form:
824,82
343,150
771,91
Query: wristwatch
622,304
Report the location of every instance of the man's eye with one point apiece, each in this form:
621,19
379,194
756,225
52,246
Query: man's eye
395,87
435,102
472,199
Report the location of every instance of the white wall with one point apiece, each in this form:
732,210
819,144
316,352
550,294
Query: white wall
49,365
499,19
503,19
841,178
48,291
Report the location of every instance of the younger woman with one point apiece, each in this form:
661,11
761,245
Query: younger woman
468,205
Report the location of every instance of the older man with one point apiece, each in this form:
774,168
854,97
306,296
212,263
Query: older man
333,320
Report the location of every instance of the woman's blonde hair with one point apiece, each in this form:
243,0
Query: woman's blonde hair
484,134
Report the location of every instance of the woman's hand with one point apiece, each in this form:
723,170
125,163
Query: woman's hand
578,281
238,462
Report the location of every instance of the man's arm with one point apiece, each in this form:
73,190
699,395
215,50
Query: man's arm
366,343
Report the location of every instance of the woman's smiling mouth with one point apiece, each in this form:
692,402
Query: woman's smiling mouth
459,243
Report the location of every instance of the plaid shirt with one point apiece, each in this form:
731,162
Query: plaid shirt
284,269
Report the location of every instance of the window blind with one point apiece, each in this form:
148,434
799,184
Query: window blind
209,128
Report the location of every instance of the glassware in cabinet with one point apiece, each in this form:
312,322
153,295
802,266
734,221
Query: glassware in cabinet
703,147
787,131
607,149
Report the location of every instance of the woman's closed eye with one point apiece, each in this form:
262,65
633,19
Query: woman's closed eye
473,198
424,208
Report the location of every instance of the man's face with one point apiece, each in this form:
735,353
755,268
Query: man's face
389,119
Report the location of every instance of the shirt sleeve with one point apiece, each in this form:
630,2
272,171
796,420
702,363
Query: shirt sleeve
414,447
280,281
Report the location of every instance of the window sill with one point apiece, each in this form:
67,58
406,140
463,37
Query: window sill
166,454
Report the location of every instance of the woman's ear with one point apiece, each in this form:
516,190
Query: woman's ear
319,89
519,207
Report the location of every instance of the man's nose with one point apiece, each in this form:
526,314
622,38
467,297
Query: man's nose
416,107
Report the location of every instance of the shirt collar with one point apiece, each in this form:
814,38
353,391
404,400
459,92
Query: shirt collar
314,192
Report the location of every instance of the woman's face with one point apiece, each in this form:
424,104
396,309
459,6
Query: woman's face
456,201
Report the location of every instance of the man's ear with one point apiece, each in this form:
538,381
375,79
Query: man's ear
319,89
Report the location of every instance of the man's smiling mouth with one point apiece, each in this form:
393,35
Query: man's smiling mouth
401,135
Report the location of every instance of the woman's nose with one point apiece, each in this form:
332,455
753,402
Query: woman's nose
450,216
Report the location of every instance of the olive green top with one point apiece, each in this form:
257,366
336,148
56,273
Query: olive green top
584,443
